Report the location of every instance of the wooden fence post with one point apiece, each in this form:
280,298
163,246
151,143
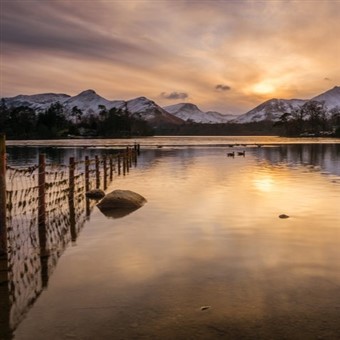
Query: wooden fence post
135,156
124,163
111,168
3,227
87,174
130,157
105,171
71,178
71,199
42,204
97,173
119,164
127,158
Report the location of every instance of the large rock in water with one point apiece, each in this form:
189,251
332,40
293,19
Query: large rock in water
121,199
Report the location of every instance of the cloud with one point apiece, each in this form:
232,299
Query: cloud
221,87
126,49
174,95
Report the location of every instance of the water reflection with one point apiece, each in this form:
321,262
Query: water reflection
118,213
209,235
326,157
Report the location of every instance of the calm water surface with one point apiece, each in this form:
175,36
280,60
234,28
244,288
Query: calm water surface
209,236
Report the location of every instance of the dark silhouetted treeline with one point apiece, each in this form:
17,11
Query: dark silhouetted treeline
24,122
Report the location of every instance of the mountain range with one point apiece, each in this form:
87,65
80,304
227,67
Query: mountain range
89,101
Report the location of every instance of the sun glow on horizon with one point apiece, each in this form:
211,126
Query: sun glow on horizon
264,88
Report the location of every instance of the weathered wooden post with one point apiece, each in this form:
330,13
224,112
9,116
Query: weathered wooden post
97,173
71,199
124,163
105,171
3,230
135,156
71,178
42,204
127,158
119,164
3,227
111,168
87,174
130,157
6,301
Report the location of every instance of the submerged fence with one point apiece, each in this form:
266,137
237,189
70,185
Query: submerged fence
42,209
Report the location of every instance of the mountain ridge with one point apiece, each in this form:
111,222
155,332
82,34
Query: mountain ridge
177,114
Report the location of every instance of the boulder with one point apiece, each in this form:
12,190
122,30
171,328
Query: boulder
95,194
121,199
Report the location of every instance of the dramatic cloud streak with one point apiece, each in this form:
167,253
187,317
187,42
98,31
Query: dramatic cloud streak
125,49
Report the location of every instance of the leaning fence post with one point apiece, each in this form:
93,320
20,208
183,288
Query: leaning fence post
97,173
3,229
42,203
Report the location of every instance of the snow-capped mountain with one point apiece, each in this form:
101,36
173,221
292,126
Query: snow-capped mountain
39,102
88,102
148,110
190,112
331,98
272,109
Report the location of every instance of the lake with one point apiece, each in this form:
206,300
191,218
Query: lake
207,256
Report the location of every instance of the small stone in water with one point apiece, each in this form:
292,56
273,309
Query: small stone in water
283,216
205,307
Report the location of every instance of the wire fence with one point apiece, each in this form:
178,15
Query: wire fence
45,209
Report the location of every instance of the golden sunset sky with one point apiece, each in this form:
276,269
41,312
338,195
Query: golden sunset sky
227,56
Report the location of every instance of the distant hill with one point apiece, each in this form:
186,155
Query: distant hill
274,108
331,98
190,112
270,110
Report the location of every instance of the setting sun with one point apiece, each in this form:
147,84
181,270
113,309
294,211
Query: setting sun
263,88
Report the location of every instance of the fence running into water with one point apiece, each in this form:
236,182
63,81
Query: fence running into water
42,209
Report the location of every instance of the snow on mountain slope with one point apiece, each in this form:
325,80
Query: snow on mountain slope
87,101
220,117
331,98
148,110
190,112
39,102
272,109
